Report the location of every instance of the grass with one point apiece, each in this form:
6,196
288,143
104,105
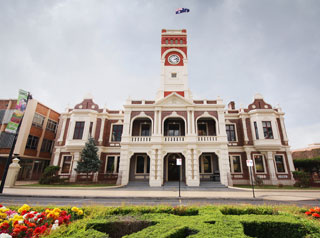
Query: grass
276,187
67,185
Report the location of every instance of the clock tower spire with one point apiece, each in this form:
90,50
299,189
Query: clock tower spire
174,61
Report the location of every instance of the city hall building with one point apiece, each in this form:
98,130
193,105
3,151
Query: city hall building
144,141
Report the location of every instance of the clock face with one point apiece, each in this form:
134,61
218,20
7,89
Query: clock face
174,59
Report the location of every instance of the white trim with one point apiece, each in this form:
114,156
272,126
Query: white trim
284,163
173,50
141,115
264,164
206,115
231,164
174,115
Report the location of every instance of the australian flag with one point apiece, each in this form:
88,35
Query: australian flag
182,10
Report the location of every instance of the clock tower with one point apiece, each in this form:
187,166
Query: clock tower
174,61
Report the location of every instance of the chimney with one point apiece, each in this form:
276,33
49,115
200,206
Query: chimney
231,105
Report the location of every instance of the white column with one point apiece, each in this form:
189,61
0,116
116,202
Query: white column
245,133
155,123
155,179
224,166
124,169
159,123
101,130
76,158
192,179
189,122
56,158
291,165
192,123
64,121
71,129
284,132
272,169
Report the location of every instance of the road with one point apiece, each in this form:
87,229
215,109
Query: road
60,201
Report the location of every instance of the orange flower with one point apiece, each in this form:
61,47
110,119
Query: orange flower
316,215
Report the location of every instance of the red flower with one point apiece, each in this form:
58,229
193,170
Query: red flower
311,210
24,212
316,215
1,205
308,213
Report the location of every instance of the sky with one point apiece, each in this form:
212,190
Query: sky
61,50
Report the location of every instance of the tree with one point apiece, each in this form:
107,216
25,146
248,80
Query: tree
90,162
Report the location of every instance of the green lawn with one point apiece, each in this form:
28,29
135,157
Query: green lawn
276,187
202,222
67,185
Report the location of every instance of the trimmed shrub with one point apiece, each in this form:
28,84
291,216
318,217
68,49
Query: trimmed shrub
50,175
303,178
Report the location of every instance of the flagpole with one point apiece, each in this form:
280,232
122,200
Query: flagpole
4,177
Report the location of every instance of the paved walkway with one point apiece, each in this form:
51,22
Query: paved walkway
161,193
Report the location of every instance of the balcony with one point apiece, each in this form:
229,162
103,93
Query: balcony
173,139
207,138
141,139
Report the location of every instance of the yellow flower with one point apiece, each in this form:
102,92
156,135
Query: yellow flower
24,207
3,215
56,210
75,209
47,210
3,209
80,212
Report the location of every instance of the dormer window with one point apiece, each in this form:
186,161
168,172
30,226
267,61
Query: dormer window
173,75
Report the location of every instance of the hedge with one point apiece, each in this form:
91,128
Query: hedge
204,222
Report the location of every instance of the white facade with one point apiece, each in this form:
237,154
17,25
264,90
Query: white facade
143,142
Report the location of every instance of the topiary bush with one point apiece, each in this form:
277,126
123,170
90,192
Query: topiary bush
50,175
303,179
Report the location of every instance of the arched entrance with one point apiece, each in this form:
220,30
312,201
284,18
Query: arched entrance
209,167
171,169
139,167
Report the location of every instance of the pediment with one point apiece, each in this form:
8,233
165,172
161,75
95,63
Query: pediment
174,100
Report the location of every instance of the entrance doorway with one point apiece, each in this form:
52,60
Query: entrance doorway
172,169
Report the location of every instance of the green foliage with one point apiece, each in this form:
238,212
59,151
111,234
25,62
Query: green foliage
161,222
90,162
50,175
303,179
308,165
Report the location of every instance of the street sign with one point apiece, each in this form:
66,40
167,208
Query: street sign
179,162
249,162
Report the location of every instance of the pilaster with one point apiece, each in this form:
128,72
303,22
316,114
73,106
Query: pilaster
155,169
272,169
76,159
224,165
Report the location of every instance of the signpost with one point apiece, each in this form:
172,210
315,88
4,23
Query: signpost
179,163
250,165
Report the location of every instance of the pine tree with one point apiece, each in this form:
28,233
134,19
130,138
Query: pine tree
90,162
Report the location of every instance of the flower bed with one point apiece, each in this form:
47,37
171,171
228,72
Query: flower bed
28,223
314,212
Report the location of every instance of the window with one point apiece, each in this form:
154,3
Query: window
142,164
66,164
259,165
176,41
256,130
46,145
171,41
235,164
166,41
205,165
2,112
267,130
118,164
231,132
32,142
38,120
181,41
173,129
78,130
6,139
110,164
202,129
280,164
145,129
173,75
116,132
51,125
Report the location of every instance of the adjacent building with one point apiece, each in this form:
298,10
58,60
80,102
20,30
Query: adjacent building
35,140
144,141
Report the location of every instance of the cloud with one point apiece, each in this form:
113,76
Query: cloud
60,50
